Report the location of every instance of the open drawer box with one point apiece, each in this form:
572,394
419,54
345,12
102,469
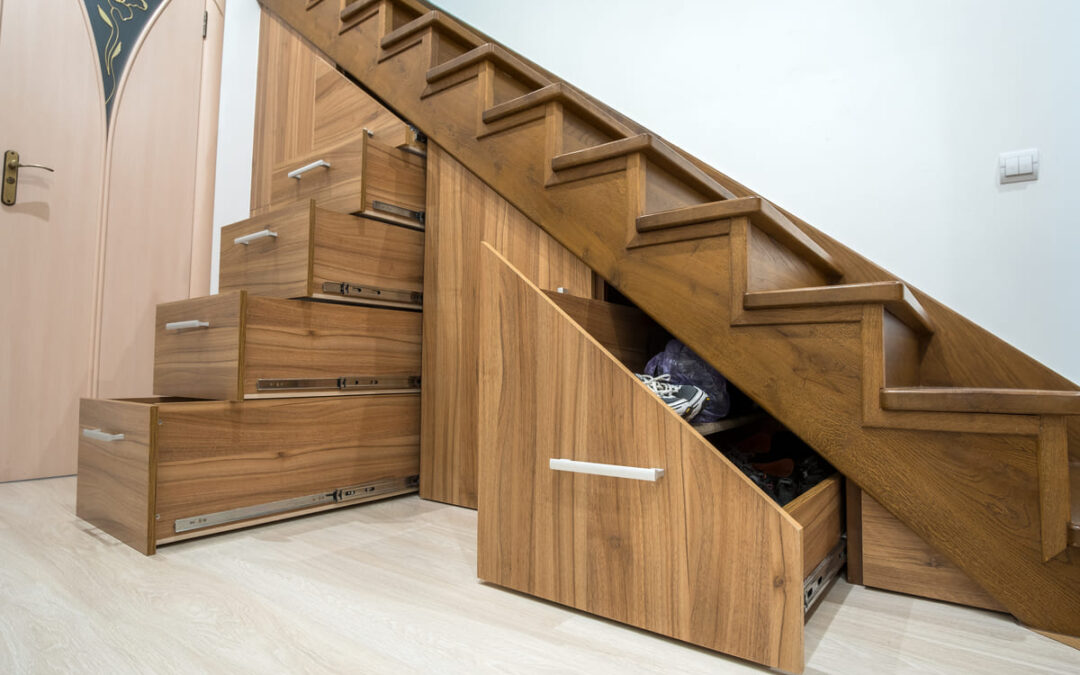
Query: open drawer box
671,537
157,470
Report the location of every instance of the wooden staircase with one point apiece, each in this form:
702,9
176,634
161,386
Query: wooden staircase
961,436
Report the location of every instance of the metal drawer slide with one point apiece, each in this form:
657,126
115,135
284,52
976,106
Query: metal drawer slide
345,494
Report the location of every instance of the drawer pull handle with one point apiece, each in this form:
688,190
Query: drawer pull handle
297,173
254,236
99,435
181,325
611,470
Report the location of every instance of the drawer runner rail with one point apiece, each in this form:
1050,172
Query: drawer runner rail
814,586
346,494
373,292
350,383
400,211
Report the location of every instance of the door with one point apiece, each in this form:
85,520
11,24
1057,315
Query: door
88,249
55,116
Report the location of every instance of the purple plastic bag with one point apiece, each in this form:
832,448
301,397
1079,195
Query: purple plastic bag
683,366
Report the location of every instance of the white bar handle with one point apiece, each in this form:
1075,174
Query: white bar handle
611,470
254,236
99,435
297,173
181,325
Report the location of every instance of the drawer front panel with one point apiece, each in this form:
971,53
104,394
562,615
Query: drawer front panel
200,361
338,186
274,265
364,252
289,339
394,180
215,456
115,488
697,553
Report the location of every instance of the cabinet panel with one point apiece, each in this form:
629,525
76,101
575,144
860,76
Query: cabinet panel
462,213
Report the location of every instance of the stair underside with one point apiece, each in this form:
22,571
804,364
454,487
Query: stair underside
932,481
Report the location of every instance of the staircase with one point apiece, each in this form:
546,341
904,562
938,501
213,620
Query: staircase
962,437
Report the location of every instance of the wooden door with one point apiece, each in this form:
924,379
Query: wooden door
86,251
53,115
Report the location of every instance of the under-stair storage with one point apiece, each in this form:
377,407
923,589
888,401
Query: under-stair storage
157,470
594,494
237,345
304,250
361,176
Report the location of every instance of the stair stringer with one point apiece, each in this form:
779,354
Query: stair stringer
992,510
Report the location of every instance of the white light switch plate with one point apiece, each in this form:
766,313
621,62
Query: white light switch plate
1018,166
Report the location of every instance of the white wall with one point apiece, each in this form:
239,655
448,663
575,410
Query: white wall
236,122
880,123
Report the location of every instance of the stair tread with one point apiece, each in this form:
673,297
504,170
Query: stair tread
895,295
762,213
355,9
489,52
569,97
982,400
432,18
655,149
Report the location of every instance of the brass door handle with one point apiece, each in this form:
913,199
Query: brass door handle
11,176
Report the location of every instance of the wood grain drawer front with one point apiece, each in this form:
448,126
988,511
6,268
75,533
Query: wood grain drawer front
116,478
285,340
368,254
197,347
359,176
259,347
699,554
278,264
321,253
144,463
216,456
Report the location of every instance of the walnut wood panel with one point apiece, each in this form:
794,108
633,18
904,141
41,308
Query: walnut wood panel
278,266
627,332
203,362
820,511
216,455
296,339
252,338
362,174
462,212
315,245
115,490
303,105
896,559
694,555
806,372
366,252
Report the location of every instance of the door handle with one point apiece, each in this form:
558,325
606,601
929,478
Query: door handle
254,236
11,176
183,325
298,173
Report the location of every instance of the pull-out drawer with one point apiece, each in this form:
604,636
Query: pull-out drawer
157,470
594,494
308,251
236,346
359,176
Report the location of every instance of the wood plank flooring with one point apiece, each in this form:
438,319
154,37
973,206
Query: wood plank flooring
390,587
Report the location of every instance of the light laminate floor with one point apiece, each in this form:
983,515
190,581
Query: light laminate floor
390,587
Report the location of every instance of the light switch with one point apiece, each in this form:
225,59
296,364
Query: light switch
1018,166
